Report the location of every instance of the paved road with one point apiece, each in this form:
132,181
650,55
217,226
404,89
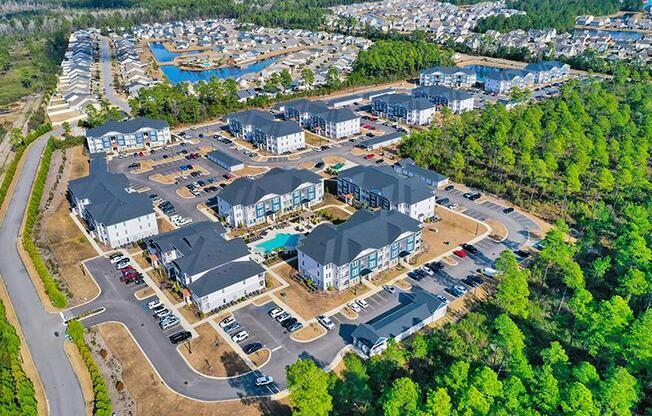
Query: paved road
43,331
109,91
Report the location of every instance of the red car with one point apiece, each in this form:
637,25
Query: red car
370,156
460,253
373,118
367,126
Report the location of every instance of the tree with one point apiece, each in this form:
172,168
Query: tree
308,385
546,393
619,393
519,95
285,79
512,342
15,137
401,398
579,401
513,291
352,393
308,76
438,403
332,77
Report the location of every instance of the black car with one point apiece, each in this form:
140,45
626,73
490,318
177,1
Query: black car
435,266
475,196
522,254
475,278
288,322
443,201
319,165
179,337
449,188
470,249
508,210
379,161
470,282
227,141
252,348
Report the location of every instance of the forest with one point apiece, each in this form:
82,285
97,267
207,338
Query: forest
570,334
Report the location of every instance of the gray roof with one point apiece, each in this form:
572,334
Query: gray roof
408,165
110,203
127,127
405,100
544,66
225,276
305,106
251,116
278,128
440,91
245,191
226,159
347,98
380,140
340,244
448,70
386,182
506,74
413,309
338,115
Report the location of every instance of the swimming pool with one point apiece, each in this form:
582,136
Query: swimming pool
280,241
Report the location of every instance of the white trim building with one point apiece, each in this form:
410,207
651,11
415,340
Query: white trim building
404,108
126,136
457,101
448,76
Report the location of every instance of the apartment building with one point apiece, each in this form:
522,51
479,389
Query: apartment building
336,123
456,100
247,202
382,187
548,71
279,137
214,271
242,124
407,167
302,110
339,256
127,136
504,81
404,108
113,213
447,76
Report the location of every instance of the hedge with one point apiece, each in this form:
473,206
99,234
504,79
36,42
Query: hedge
18,395
102,403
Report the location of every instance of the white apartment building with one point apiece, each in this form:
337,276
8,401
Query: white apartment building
457,101
279,137
247,202
404,108
113,214
336,123
504,81
127,136
447,76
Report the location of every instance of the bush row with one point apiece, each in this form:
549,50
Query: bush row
18,397
55,294
102,403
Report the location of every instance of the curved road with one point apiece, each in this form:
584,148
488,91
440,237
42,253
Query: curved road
43,331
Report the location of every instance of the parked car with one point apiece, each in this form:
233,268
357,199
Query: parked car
475,196
153,304
122,263
460,253
116,257
354,307
264,381
180,337
390,289
369,156
282,317
379,161
275,312
453,206
489,272
469,282
414,274
443,201
458,291
163,313
443,299
252,348
470,248
477,279
240,336
449,188
227,321
426,270
362,303
436,266
325,321
522,254
289,322
295,327
508,210
169,324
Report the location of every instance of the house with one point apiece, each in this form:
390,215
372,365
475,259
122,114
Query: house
456,100
215,271
447,76
405,108
339,256
247,202
505,80
126,136
407,167
336,123
415,311
382,187
279,137
113,213
381,141
548,71
224,160
241,124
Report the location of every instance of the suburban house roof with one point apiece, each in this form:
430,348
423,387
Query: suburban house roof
440,91
338,115
413,309
405,100
245,191
409,166
127,127
224,276
278,128
448,70
342,243
386,182
226,159
109,200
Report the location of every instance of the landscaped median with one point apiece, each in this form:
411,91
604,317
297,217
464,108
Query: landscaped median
102,404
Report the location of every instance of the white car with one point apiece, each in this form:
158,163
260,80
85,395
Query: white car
489,272
182,222
454,206
240,336
362,303
327,323
264,380
122,263
390,289
115,258
163,313
275,312
427,271
226,322
169,323
354,307
153,304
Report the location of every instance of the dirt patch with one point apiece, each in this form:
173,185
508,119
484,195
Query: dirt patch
403,284
356,151
144,293
309,333
450,261
211,355
164,179
251,171
332,160
164,225
329,199
84,377
498,229
335,214
260,357
315,140
307,303
141,259
350,313
262,300
184,192
386,276
190,313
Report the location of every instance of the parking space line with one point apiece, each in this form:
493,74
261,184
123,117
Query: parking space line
277,348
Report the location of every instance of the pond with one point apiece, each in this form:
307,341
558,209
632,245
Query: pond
615,34
176,74
163,55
